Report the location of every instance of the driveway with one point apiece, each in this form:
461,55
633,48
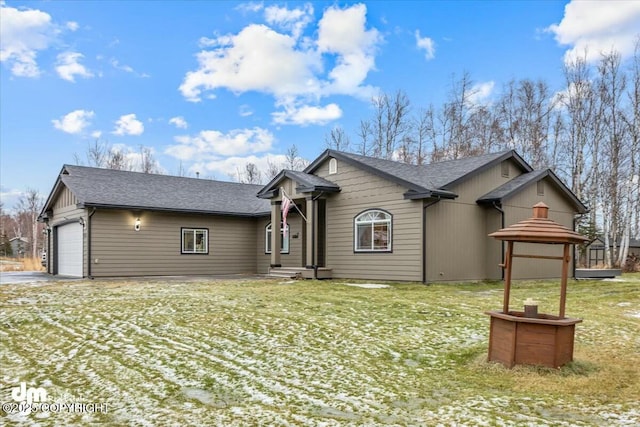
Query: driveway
13,277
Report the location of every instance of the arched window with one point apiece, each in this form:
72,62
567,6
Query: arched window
333,166
284,243
372,231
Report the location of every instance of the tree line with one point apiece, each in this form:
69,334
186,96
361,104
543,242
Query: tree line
588,133
23,224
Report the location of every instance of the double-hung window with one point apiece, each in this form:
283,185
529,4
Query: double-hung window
195,241
372,231
284,242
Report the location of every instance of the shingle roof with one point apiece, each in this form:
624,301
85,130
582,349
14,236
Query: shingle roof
434,178
307,180
512,186
306,183
134,190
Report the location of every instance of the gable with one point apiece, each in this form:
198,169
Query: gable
298,184
65,198
434,180
486,180
523,183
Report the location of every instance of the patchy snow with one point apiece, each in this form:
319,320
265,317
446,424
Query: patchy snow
368,285
166,353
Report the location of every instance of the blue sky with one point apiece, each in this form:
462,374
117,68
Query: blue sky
212,85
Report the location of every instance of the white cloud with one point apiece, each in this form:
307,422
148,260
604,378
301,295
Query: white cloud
212,143
72,26
230,166
74,122
245,111
233,62
306,115
128,125
427,44
250,7
293,20
343,32
68,66
96,134
179,122
116,64
594,27
22,34
291,66
481,92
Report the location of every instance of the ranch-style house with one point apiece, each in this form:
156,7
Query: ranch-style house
355,217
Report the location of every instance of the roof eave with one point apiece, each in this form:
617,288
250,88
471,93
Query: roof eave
314,188
185,211
429,194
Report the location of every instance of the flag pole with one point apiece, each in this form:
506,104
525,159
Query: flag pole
284,194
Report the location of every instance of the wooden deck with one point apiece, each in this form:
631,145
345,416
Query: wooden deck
597,273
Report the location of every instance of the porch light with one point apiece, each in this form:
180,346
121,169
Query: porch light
136,226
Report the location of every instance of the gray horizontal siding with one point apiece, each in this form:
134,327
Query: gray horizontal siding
118,250
360,191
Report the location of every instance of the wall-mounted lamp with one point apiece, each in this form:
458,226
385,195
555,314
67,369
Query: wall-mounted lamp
136,225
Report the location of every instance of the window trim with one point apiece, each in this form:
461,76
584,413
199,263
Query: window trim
333,166
504,166
540,187
388,221
194,230
268,229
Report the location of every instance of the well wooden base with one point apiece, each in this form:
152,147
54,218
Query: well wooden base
517,340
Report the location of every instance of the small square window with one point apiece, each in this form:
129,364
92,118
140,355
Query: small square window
195,241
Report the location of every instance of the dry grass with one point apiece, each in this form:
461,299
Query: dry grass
264,352
21,264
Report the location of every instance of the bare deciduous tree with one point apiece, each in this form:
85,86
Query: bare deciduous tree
250,174
337,139
29,207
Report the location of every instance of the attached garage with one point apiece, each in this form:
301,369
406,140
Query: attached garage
69,249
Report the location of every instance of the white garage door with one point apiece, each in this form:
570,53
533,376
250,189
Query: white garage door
70,250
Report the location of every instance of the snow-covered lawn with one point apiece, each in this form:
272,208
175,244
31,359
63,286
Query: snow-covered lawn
311,353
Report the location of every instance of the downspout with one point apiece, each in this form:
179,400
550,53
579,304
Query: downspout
47,229
89,242
424,238
313,235
499,209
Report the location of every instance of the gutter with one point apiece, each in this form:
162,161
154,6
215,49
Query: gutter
499,209
89,242
424,238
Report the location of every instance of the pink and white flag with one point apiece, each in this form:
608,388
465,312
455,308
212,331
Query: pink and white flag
286,205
